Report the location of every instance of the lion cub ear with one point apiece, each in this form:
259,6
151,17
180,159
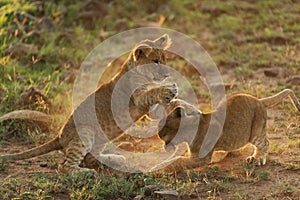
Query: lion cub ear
141,50
163,41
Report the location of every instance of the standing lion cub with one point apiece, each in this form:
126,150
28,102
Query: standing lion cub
245,122
94,117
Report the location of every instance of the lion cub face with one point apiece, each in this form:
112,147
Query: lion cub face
149,57
178,118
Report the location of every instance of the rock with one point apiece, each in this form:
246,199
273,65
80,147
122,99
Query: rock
43,164
30,115
276,72
167,194
139,197
273,72
37,118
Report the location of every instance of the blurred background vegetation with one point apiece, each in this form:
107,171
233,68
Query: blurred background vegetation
44,42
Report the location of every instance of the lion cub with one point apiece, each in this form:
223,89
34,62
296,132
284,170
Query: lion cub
245,122
77,140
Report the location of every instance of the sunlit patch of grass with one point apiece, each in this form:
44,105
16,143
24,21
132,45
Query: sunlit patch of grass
82,186
9,10
277,149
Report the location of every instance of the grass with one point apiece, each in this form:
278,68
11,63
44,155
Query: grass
82,186
241,37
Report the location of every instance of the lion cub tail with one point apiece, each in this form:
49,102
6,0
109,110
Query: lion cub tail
37,151
277,98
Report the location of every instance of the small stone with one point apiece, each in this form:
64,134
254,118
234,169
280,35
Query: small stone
43,164
276,72
139,197
273,72
167,194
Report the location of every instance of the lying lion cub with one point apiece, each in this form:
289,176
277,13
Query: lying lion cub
245,122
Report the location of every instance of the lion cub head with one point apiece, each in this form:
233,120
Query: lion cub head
177,123
148,57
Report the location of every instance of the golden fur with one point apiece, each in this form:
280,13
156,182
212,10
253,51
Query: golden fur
245,122
76,140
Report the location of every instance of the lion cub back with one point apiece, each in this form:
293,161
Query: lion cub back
245,117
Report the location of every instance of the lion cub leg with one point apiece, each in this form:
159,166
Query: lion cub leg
260,141
75,152
260,151
218,156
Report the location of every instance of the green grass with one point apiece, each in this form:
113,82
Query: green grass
82,186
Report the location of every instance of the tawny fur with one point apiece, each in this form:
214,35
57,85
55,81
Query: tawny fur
76,141
245,122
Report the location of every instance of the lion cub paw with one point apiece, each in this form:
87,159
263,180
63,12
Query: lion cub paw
113,160
189,109
75,171
258,162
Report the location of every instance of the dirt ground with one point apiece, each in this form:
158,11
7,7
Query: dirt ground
229,178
